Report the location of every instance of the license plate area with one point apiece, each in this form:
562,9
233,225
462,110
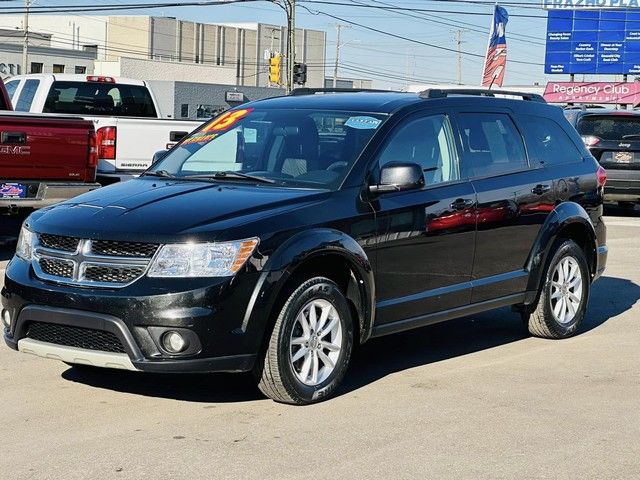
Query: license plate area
13,190
620,157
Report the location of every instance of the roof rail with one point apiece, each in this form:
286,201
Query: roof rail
442,93
312,91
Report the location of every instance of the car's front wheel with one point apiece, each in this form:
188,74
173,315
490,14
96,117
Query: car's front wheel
310,346
564,294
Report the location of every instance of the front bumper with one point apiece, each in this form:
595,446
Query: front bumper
211,310
622,185
48,193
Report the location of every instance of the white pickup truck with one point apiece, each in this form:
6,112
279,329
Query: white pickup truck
129,125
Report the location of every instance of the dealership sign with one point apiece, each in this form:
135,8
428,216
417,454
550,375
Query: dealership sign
592,92
588,4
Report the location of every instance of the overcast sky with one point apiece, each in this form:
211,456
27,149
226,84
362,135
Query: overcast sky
366,53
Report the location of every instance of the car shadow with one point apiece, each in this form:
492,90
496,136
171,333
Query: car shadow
611,210
375,359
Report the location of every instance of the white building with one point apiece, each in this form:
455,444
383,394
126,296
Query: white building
244,48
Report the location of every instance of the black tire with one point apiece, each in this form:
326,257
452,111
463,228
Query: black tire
275,371
541,320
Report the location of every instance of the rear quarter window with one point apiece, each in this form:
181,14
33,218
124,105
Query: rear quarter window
548,141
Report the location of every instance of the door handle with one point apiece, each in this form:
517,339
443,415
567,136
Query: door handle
462,203
13,138
540,189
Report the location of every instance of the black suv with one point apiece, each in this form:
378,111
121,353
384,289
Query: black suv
613,138
283,233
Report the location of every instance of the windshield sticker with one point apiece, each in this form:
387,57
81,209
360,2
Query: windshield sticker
199,138
227,120
250,135
363,123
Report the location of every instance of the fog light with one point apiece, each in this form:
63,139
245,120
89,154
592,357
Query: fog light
173,342
6,318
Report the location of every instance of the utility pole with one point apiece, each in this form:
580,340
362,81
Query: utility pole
25,45
339,27
290,6
459,42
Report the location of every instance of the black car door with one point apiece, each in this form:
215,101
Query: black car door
426,247
514,200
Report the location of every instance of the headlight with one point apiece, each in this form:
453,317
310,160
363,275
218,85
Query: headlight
202,259
24,249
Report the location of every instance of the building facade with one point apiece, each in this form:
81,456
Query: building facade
245,47
43,58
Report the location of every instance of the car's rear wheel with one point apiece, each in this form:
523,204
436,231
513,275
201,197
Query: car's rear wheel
310,346
564,294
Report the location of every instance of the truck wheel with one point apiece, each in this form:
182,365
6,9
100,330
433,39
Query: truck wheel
564,294
310,346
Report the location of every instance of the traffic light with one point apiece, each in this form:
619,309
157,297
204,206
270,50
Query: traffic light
274,69
300,73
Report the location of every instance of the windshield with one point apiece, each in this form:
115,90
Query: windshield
296,148
609,127
98,98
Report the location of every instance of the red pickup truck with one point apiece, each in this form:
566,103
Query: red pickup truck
43,159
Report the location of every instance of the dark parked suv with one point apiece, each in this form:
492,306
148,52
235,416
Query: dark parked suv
283,233
613,138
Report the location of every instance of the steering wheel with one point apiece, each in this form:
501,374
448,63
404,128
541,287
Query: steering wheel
337,166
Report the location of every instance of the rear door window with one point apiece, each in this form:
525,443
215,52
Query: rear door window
492,145
27,95
100,98
548,141
610,127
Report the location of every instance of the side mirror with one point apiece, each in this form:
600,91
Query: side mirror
399,176
159,155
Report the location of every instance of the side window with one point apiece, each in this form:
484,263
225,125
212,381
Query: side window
26,95
492,144
427,141
549,141
11,87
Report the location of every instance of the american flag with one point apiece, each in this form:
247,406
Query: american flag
496,61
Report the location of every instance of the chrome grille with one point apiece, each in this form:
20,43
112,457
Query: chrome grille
123,249
91,263
56,267
59,242
78,337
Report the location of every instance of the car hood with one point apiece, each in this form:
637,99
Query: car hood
152,209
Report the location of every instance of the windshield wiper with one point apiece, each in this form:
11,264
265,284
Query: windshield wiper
158,173
231,175
633,135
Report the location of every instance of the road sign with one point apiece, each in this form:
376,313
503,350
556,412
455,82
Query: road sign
593,41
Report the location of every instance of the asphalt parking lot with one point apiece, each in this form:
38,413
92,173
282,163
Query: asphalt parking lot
475,398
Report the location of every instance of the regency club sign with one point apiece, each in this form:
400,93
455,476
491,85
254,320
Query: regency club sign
593,92
588,4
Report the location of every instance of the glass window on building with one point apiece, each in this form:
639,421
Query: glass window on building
80,69
57,68
184,110
36,67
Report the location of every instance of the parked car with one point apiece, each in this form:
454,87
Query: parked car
128,121
258,244
43,161
613,138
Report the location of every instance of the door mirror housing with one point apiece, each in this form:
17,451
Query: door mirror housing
399,176
159,155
